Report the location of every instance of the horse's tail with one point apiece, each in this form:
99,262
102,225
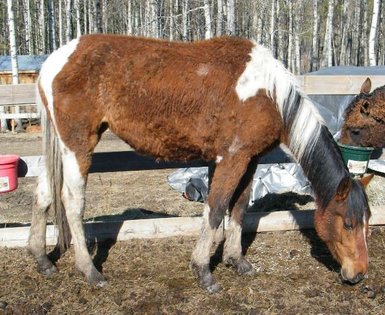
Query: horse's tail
54,169
301,119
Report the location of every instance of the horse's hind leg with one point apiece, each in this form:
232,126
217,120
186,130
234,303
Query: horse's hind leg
226,178
75,170
37,236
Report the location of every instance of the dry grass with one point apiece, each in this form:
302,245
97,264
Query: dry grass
296,276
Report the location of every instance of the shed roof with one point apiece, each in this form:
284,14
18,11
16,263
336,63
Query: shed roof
25,62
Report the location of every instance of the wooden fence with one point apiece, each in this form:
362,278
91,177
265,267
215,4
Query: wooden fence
18,101
284,220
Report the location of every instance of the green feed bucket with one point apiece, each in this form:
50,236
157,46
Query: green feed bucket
356,158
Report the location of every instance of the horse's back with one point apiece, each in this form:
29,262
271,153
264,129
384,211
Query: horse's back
147,88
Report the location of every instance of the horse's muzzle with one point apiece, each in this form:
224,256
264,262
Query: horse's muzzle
358,277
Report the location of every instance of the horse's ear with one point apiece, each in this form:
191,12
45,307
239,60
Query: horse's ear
366,180
366,86
365,108
343,188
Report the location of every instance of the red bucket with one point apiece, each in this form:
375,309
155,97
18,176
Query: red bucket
8,172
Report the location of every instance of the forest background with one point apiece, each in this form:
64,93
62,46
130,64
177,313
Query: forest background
305,35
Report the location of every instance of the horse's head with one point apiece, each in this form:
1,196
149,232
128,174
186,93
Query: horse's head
343,226
365,118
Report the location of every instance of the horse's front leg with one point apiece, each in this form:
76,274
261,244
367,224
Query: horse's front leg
232,253
226,177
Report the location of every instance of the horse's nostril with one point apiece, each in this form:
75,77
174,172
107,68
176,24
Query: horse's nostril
357,278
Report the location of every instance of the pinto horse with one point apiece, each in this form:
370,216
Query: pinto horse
225,100
364,123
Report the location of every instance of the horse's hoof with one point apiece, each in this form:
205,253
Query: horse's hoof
46,267
97,279
241,265
48,272
205,278
214,288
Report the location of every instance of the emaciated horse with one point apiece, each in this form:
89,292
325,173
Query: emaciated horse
364,123
225,100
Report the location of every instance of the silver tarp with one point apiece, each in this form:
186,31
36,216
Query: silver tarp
268,178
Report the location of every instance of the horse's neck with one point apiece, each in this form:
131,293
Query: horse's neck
324,167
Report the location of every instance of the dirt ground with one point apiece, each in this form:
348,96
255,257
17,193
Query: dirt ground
296,274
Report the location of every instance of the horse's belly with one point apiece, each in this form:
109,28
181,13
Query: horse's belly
167,143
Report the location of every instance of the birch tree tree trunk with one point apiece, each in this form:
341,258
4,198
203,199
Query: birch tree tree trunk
258,21
230,17
153,19
51,26
98,16
328,49
104,19
314,48
68,21
344,29
280,33
12,42
297,30
129,17
91,19
356,36
365,39
42,27
28,27
373,33
13,53
272,27
171,23
61,30
219,18
290,43
208,33
185,19
78,24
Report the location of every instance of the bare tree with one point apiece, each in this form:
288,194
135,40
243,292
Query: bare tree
208,33
171,20
68,21
153,19
230,17
28,26
51,25
328,49
219,17
97,10
373,33
272,26
297,29
315,39
78,24
42,28
290,61
14,63
185,19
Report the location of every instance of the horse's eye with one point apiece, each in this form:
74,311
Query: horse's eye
348,227
348,224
